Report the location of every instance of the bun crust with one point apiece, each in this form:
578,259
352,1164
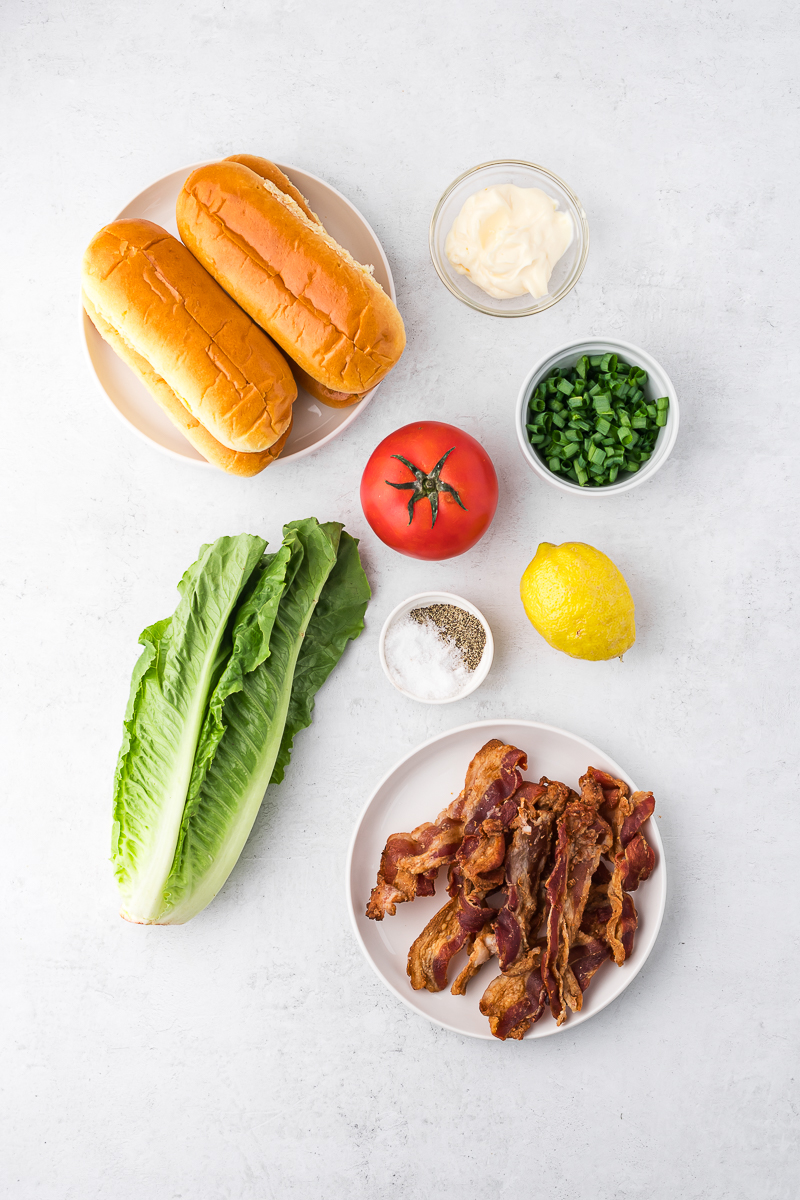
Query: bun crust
233,462
143,285
268,170
324,309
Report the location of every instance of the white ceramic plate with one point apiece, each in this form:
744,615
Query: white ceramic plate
415,790
314,423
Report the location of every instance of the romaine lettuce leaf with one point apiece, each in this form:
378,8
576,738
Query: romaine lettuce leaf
182,660
338,619
243,733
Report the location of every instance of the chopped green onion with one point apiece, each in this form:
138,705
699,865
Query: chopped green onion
590,421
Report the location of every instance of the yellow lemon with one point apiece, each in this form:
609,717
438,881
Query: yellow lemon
578,601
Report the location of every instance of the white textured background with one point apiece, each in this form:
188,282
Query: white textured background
253,1053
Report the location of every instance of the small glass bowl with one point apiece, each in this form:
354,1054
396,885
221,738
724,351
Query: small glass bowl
423,600
567,270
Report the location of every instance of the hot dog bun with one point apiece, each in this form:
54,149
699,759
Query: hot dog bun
212,450
321,306
216,374
326,395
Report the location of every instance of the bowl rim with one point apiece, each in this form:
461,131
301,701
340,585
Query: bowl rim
480,672
550,299
669,432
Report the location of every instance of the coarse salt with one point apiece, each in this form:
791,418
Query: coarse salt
422,662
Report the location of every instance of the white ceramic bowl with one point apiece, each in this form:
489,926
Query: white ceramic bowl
658,384
567,270
422,600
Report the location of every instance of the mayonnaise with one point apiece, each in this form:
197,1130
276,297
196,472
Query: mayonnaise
507,239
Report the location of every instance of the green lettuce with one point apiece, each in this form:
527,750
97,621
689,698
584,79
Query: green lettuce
337,619
182,659
287,628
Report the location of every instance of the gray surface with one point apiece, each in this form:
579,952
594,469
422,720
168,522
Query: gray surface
253,1053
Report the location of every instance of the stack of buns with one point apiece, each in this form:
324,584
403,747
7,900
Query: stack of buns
192,318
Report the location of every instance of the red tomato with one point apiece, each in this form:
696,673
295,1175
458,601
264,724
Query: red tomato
438,502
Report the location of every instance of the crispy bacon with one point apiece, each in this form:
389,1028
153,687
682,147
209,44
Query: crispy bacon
483,852
439,842
493,777
410,860
626,814
442,938
395,884
517,919
617,932
582,836
638,855
516,999
632,855
585,960
525,859
542,845
483,947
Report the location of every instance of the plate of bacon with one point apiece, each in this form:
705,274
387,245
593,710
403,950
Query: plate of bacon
528,883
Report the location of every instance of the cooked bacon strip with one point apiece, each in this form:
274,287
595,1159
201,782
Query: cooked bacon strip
633,857
410,860
489,815
439,842
538,805
442,938
396,885
525,859
483,947
639,856
599,923
582,836
515,1000
626,814
494,775
482,852
585,960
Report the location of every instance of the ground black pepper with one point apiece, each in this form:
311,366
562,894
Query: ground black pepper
454,624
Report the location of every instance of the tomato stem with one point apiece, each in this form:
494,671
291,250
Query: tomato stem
426,487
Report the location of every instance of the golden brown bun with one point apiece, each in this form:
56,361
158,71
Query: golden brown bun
326,395
322,307
225,371
268,170
231,461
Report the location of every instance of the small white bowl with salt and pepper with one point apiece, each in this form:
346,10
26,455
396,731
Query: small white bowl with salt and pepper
436,648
